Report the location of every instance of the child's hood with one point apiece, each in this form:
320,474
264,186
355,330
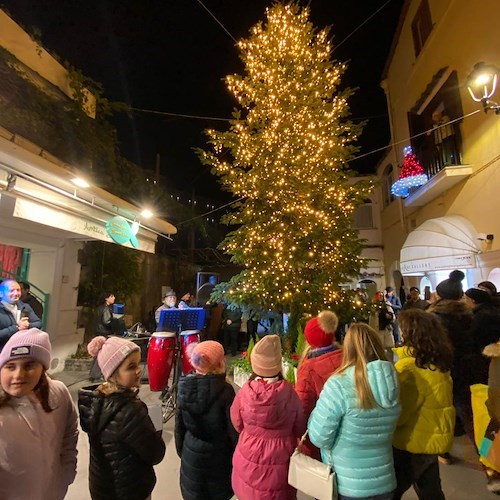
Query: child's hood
197,393
97,410
384,383
269,395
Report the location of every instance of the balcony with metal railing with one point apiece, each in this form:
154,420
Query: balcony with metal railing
440,153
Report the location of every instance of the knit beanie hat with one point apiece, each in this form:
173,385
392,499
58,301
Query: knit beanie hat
320,330
488,285
207,356
110,353
479,294
451,288
32,343
266,356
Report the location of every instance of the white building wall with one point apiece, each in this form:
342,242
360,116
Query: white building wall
463,34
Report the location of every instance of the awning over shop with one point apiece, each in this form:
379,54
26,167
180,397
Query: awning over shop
440,244
38,190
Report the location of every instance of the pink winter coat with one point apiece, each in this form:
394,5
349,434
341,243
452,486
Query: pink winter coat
269,418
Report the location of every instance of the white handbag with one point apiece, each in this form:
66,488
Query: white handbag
312,477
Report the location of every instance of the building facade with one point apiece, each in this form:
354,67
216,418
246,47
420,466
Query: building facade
46,213
451,222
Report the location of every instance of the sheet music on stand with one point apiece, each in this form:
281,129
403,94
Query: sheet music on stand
178,320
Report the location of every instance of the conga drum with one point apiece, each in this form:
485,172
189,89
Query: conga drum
188,337
161,354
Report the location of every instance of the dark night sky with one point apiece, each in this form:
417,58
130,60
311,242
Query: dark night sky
171,55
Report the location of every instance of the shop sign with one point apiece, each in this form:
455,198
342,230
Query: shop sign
439,264
74,223
119,230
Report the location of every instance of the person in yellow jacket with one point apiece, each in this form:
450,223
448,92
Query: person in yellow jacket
426,424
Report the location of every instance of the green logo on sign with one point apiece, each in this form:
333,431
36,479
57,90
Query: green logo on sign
120,232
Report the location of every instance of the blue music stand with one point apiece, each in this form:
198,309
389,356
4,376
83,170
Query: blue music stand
178,320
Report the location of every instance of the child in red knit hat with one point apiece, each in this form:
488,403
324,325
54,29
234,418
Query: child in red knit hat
204,436
320,359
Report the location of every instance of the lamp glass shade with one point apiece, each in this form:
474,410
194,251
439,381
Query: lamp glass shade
482,82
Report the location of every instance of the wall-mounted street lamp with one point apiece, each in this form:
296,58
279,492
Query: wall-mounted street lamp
482,84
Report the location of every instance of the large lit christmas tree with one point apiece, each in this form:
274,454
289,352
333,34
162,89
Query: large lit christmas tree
285,156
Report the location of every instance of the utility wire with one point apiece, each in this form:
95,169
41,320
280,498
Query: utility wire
220,24
180,115
359,26
352,159
415,135
212,211
198,117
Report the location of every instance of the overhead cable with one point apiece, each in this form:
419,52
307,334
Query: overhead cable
220,24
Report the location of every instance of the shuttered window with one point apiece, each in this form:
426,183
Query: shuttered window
421,26
363,217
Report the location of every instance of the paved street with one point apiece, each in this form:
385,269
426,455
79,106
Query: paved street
461,481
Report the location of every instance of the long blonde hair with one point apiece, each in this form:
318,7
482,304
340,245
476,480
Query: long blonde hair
361,345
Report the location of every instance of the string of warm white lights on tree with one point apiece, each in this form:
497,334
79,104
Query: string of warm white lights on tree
285,154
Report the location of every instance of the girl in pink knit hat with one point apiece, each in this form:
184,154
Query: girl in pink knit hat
38,422
124,444
204,436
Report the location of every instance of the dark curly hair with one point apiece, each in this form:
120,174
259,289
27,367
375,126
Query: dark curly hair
426,339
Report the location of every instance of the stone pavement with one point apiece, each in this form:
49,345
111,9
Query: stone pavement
462,480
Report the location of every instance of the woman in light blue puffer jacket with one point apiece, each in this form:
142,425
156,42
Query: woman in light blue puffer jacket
355,417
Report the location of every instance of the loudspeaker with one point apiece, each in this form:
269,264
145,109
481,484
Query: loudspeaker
205,283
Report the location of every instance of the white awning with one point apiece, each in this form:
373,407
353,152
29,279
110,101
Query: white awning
445,243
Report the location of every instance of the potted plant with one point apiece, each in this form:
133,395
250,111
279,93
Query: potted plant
242,369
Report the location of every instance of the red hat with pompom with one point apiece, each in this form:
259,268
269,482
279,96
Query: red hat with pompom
320,330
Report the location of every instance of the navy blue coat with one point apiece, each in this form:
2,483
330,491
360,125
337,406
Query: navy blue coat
8,324
205,437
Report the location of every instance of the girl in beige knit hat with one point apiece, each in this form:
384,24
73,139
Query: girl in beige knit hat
268,415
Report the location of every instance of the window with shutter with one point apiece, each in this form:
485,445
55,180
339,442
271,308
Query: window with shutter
421,26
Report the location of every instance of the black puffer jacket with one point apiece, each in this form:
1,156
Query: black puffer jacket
204,437
485,330
124,445
457,318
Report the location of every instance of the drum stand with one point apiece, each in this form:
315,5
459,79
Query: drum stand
177,320
168,396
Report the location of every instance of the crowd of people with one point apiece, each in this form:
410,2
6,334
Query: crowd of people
383,416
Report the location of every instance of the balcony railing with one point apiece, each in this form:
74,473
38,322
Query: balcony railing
439,148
